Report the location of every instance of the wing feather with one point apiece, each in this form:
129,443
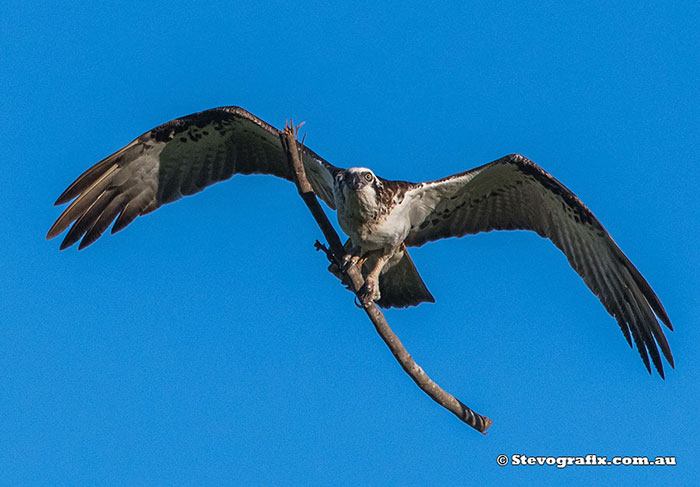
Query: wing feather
81,204
514,193
176,159
131,210
103,220
91,175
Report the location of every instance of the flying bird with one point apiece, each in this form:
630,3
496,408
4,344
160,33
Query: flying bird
381,217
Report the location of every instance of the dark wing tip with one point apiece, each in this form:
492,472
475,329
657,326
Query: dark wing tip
660,370
65,244
54,231
62,200
670,360
85,242
69,192
663,316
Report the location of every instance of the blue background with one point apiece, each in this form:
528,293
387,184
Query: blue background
207,345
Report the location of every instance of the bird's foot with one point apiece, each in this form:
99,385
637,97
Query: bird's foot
349,260
369,292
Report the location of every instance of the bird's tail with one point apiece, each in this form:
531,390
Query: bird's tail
400,284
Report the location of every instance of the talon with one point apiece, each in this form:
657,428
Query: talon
349,260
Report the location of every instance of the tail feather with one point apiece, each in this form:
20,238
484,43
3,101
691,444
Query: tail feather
400,283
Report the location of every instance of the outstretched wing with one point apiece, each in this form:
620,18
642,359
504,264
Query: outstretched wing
514,193
176,159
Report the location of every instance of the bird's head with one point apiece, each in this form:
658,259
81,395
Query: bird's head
359,179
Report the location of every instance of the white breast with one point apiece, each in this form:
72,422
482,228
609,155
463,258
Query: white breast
367,227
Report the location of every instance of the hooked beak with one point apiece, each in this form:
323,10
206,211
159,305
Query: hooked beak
354,181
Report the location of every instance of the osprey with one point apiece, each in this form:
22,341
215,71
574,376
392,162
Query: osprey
381,217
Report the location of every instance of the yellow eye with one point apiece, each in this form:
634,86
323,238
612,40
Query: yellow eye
368,176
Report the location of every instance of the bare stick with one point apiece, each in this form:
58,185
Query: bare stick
354,275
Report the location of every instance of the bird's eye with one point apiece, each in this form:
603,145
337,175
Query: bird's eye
368,176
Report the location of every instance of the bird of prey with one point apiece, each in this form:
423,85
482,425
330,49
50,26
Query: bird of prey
381,217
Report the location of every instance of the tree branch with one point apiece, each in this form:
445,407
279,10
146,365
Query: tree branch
354,275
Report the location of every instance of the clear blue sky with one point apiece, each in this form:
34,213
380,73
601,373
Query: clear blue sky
207,345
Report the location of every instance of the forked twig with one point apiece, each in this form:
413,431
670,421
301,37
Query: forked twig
354,278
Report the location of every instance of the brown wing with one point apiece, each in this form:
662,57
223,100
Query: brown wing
515,193
176,159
